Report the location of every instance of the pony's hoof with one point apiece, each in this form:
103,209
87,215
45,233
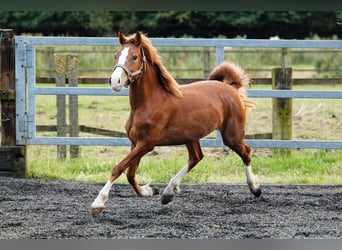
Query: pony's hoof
256,191
96,210
155,191
165,199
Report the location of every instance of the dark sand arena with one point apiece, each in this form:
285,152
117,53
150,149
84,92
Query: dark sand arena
40,209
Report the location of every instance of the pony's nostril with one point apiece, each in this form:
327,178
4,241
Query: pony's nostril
110,81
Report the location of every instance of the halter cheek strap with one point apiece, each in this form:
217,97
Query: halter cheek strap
130,74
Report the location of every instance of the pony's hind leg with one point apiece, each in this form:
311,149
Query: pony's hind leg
252,180
243,151
195,155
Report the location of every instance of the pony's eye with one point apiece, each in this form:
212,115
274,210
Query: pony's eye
135,57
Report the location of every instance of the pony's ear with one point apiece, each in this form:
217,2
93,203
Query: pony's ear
137,39
122,38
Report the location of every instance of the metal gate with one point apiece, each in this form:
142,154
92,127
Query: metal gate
26,89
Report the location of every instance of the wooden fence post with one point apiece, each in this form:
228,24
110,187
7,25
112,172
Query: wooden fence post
67,68
12,157
51,66
282,107
73,103
206,62
60,61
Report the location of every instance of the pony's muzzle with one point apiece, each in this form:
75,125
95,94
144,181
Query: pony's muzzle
116,80
115,85
110,81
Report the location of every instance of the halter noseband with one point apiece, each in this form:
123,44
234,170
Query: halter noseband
130,74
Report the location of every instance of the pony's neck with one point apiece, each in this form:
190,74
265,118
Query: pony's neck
146,89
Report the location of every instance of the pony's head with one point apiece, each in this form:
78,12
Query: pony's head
135,54
130,61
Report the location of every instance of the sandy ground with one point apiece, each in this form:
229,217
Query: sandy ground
40,209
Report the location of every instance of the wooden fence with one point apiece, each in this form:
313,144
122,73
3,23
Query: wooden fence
12,157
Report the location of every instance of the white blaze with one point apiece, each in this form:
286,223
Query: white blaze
119,77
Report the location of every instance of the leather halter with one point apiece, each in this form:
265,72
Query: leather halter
130,74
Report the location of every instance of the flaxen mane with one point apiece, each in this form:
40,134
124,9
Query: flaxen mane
234,75
168,82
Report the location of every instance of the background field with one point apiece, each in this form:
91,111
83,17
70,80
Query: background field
312,119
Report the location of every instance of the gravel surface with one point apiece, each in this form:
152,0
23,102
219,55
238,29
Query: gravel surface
45,209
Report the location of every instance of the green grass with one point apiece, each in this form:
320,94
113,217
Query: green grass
303,167
96,163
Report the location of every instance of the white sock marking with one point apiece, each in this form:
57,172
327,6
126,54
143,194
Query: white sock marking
146,190
173,186
102,196
252,180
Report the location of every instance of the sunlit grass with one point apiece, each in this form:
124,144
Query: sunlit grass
95,165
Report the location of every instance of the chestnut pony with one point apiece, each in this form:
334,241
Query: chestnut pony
164,113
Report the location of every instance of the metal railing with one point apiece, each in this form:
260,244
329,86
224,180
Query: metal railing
26,89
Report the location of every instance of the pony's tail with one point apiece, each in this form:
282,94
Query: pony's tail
234,75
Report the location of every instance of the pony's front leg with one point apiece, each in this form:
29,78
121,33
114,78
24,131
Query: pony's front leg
132,159
99,203
142,191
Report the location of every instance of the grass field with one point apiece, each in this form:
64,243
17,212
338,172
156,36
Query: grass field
96,163
314,119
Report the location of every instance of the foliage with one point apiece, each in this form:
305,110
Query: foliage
78,23
252,24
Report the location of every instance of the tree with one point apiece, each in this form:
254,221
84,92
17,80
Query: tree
76,23
252,24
